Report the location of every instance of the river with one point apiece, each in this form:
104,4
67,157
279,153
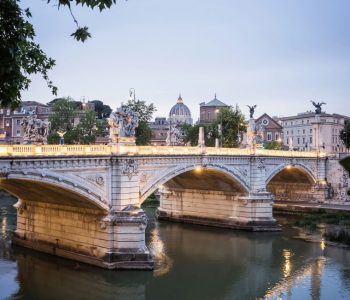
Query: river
192,262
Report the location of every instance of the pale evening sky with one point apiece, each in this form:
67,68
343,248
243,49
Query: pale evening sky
276,54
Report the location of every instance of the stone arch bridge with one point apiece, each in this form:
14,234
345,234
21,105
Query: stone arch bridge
83,202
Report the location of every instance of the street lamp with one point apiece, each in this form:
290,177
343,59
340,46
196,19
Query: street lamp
219,126
172,117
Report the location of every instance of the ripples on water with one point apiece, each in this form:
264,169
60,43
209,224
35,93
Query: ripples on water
191,262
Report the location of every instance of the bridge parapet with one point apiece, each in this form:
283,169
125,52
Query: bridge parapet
91,150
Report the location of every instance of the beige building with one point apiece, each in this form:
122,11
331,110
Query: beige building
307,131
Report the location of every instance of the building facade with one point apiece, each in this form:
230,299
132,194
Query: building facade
208,111
309,131
272,130
11,131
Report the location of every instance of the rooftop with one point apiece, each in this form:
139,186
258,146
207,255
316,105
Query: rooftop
215,102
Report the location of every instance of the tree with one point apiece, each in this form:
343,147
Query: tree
191,133
274,145
145,111
64,112
20,56
102,110
345,134
233,123
86,129
143,132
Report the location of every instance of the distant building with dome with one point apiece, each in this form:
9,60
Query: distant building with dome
180,113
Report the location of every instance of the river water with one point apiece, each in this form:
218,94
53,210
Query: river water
192,262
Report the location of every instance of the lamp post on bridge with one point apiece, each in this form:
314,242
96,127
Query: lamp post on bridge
219,125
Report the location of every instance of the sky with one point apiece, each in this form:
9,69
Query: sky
276,54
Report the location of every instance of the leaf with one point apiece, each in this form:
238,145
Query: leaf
81,34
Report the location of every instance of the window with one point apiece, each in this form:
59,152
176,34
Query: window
298,141
310,139
302,122
310,130
7,123
277,136
8,112
269,136
18,132
303,140
18,122
292,131
287,132
307,121
303,131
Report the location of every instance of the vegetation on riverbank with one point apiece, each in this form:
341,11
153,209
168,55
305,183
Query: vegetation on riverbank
341,236
152,200
336,224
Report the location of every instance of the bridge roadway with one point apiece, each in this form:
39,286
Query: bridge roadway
83,202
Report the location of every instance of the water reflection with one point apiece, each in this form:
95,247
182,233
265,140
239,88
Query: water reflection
192,262
162,261
312,272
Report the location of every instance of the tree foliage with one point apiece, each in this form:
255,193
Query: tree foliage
274,145
345,134
64,112
232,121
191,133
143,132
144,110
102,110
20,56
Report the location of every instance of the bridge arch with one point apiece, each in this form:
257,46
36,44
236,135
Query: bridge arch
51,187
285,166
292,182
165,177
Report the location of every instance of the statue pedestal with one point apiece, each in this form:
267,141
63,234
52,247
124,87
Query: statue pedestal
251,133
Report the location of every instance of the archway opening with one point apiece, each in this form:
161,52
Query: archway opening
201,195
292,183
44,192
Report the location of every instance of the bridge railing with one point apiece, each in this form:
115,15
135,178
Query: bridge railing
91,150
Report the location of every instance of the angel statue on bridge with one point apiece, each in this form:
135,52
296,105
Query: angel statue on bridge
318,106
251,111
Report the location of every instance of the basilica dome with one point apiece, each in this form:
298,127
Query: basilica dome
180,113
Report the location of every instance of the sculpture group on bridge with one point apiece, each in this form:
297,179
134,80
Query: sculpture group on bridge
123,123
173,136
35,130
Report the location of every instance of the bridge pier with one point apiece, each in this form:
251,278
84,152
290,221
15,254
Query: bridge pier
218,208
113,241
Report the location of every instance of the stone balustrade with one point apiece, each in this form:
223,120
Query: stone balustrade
91,150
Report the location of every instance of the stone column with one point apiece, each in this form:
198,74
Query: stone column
126,221
251,133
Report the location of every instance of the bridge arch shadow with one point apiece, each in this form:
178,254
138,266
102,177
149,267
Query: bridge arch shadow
219,173
292,183
52,189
